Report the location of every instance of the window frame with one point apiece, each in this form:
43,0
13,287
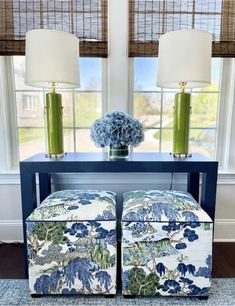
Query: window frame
117,93
9,156
8,135
225,116
8,116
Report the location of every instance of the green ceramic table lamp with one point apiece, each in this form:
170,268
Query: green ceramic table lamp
184,62
52,61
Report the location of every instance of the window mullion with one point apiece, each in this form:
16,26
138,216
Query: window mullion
225,112
161,112
118,56
74,122
10,149
13,115
4,157
104,88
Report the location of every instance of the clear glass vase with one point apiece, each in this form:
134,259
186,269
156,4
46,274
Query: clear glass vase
118,153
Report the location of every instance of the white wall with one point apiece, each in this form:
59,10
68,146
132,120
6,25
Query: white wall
10,203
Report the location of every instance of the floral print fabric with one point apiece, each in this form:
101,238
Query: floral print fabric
170,257
76,256
157,205
72,205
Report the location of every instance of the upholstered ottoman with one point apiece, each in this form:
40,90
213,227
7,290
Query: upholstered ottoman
166,244
71,241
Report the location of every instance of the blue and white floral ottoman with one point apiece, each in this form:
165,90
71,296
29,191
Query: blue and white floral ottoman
166,244
71,241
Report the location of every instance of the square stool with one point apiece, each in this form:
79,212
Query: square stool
166,244
71,241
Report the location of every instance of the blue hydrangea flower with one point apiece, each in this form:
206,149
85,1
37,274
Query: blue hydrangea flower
117,129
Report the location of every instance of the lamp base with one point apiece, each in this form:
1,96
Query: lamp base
55,156
181,124
181,155
54,110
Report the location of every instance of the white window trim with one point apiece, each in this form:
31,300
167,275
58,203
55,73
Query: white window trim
226,117
118,67
8,132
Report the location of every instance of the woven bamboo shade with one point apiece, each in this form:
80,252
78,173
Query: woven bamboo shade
87,19
149,19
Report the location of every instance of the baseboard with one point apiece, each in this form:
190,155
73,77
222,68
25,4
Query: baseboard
224,230
11,230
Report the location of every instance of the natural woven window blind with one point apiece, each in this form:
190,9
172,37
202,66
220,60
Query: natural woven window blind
149,19
87,19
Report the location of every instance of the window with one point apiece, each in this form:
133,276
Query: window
149,19
153,106
87,20
81,107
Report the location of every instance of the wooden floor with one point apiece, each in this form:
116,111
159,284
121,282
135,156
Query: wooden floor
11,260
223,259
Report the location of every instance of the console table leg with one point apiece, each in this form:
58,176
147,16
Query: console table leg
193,185
208,196
44,185
29,203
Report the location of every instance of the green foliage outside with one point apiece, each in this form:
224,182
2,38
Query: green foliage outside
143,105
167,133
204,113
29,134
87,110
204,107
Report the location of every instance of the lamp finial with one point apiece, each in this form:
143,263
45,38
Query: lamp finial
182,86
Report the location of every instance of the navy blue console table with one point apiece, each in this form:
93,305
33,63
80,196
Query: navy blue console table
98,162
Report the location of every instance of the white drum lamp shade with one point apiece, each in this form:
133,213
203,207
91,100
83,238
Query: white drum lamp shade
52,57
184,61
52,62
185,56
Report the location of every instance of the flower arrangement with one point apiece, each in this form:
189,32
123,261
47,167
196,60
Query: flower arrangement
117,129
